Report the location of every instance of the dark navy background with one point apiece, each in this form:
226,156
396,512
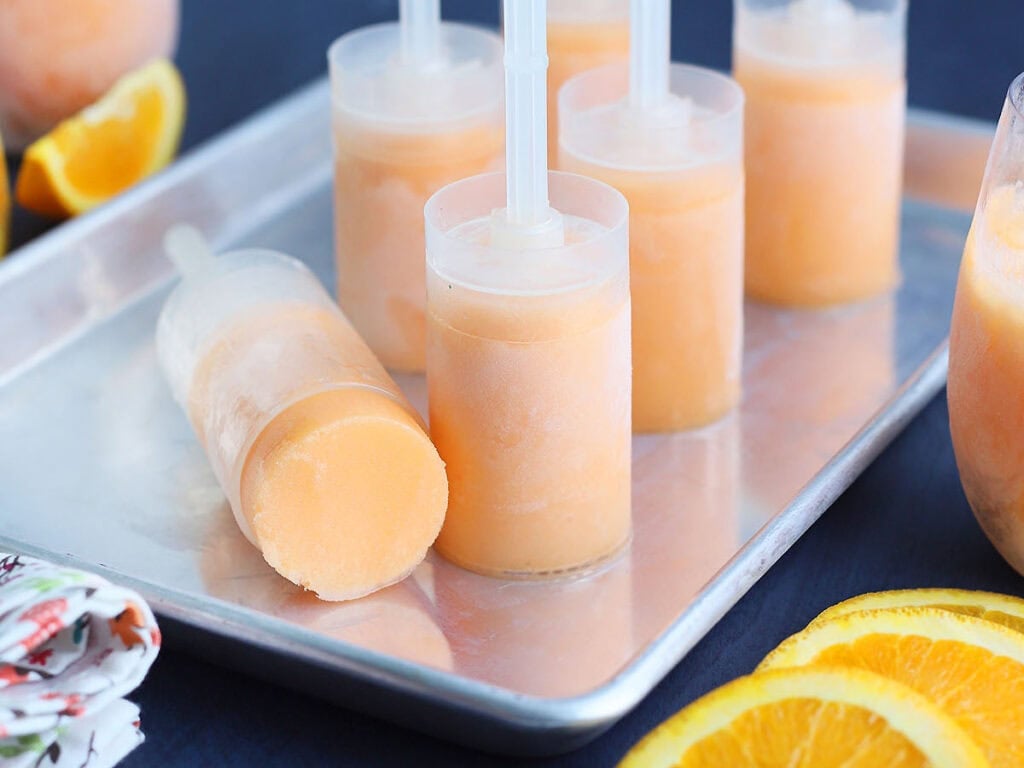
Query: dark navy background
904,523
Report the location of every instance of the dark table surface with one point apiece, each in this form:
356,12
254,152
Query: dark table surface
904,523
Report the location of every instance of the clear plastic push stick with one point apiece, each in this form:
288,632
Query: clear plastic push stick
826,97
420,25
528,367
326,467
527,219
417,104
669,137
649,54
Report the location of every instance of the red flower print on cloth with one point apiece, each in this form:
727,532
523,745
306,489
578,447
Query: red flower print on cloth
46,611
46,616
39,658
72,702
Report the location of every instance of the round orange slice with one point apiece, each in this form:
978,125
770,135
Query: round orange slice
132,132
811,718
1002,609
971,668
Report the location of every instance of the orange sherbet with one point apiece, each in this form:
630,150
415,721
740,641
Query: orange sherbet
539,465
337,482
382,180
686,280
824,157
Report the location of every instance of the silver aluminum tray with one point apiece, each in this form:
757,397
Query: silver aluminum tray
99,468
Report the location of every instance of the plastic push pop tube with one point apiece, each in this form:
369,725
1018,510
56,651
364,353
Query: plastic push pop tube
528,362
826,98
669,137
327,468
416,105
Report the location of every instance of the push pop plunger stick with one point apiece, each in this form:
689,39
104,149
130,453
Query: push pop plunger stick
326,466
669,137
417,105
528,368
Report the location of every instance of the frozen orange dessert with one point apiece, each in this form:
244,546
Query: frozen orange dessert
582,35
381,184
57,57
680,166
528,377
986,369
826,94
327,468
404,126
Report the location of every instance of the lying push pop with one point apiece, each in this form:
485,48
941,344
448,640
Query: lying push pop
327,468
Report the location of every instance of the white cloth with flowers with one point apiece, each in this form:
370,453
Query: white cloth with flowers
71,645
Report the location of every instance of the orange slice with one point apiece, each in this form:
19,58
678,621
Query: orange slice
972,668
132,132
808,718
1002,609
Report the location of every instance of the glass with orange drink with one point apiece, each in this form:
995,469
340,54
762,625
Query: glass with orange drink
986,345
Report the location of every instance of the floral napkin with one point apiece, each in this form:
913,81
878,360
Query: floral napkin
71,645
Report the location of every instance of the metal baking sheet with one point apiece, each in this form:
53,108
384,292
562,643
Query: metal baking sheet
99,468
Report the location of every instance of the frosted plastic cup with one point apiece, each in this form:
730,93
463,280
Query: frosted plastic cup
327,468
680,166
826,103
402,130
582,35
58,57
528,380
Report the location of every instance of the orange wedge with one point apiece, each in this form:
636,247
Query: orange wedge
1002,609
5,201
132,132
808,718
971,668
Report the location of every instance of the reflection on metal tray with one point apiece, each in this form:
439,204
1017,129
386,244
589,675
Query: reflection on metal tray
99,468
